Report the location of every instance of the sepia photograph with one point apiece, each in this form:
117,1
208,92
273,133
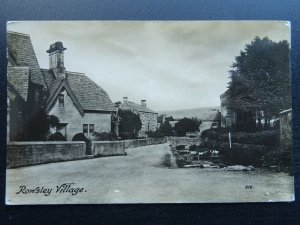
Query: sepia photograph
102,112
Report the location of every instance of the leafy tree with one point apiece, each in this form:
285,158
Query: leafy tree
53,121
187,125
260,80
39,125
165,128
130,124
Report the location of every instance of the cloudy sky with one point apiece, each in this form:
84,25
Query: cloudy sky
173,65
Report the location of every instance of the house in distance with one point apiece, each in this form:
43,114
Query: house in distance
147,116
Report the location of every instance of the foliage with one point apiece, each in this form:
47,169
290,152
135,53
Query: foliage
166,128
130,124
80,137
268,138
38,126
183,159
56,137
260,79
53,120
166,160
180,147
187,125
104,136
155,134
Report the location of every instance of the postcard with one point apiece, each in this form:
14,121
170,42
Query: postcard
102,112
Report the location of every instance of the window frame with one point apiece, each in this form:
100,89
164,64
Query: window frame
61,100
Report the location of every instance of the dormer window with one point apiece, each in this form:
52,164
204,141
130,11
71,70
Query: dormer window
61,100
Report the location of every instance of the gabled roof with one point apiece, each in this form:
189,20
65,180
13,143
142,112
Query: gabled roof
21,53
18,78
136,107
88,95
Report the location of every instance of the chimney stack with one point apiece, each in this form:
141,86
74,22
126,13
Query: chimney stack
125,99
143,103
56,60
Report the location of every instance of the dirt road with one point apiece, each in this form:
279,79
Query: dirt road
140,177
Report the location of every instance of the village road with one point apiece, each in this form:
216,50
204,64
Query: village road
140,177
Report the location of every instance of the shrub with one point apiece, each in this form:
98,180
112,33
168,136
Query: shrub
183,159
56,137
243,154
157,134
104,136
270,138
193,148
180,147
213,133
166,160
80,137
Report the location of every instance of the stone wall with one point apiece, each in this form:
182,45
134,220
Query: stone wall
108,148
134,143
33,153
156,141
184,141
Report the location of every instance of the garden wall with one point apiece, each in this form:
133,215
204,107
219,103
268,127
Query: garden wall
108,148
184,141
134,143
33,153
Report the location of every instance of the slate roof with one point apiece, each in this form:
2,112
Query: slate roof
18,77
213,117
21,53
89,95
136,107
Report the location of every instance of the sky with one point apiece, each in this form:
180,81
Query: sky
171,64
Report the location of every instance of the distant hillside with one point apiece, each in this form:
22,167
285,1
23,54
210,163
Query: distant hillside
200,113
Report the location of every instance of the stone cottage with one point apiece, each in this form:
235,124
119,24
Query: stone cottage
147,116
79,103
212,121
26,87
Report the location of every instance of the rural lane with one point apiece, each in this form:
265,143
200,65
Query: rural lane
140,177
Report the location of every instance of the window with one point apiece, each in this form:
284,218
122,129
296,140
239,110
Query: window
88,129
61,100
91,128
85,128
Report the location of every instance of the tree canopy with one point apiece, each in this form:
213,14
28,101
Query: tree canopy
187,125
39,125
130,124
166,128
260,78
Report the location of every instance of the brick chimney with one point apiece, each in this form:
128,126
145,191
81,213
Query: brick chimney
56,60
143,103
125,100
